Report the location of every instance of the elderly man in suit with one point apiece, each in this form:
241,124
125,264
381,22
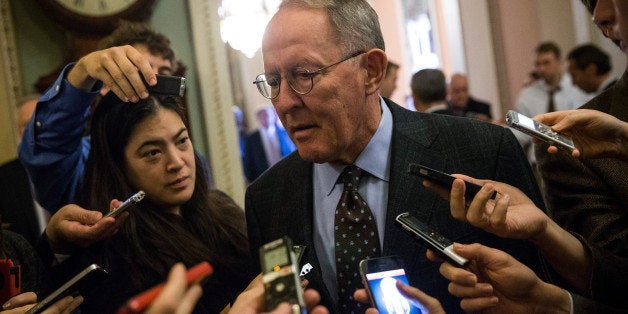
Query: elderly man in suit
324,86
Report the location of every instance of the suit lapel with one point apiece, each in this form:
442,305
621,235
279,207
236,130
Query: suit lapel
412,139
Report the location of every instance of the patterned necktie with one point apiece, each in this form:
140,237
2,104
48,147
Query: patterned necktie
356,238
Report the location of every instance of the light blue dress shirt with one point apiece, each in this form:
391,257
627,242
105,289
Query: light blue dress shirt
375,159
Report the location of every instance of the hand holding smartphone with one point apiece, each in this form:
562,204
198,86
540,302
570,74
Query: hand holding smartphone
538,130
431,239
445,180
142,301
134,199
379,276
86,279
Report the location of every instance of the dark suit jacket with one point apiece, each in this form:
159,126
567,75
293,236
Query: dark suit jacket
254,160
590,197
280,201
16,202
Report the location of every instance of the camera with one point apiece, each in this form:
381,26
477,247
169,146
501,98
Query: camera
280,275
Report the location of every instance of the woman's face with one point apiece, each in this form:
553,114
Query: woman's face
160,160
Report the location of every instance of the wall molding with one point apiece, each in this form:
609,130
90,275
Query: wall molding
216,97
11,82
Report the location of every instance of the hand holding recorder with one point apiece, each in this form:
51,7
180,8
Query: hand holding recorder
538,130
595,133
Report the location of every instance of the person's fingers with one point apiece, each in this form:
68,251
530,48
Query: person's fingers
478,304
20,300
76,302
433,256
189,300
457,203
551,118
458,275
64,305
114,204
361,296
476,214
432,305
576,153
552,149
75,213
480,290
115,62
312,298
84,235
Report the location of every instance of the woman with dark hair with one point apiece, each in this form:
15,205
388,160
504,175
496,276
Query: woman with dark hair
146,146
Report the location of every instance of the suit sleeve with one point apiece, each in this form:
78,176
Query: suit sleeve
53,149
587,198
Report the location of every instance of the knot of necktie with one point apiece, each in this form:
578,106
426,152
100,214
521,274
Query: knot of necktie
351,177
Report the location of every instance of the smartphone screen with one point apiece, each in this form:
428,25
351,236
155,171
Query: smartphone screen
380,276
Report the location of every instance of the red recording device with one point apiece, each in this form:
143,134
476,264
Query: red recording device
10,281
142,301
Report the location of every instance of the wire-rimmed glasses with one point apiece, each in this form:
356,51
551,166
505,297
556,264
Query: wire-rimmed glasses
299,79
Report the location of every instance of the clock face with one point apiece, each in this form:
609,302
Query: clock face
96,8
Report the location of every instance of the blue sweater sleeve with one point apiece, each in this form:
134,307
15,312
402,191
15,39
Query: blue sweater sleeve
53,148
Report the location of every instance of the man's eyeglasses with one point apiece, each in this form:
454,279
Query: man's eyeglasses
300,80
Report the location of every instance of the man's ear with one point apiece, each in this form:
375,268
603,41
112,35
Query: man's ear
376,60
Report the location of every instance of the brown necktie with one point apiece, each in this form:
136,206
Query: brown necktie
356,238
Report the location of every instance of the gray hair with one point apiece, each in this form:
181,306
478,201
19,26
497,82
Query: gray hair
354,23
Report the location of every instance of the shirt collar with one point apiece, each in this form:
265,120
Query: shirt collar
374,159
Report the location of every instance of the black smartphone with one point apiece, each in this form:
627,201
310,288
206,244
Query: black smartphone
134,199
431,239
445,180
167,85
280,275
86,279
539,130
379,276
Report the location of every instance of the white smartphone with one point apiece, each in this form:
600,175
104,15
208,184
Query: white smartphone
380,276
539,130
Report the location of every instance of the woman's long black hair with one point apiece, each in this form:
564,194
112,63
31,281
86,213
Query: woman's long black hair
211,226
